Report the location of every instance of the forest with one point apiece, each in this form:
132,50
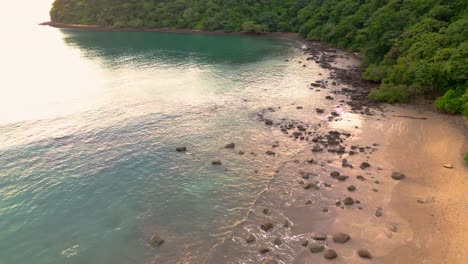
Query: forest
412,47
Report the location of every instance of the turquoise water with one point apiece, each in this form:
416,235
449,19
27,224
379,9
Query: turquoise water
89,123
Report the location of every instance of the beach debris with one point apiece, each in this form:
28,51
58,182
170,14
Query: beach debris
398,176
250,239
181,149
330,254
448,166
341,238
316,248
266,226
156,241
230,146
363,253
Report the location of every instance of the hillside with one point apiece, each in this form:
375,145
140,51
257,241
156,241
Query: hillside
412,47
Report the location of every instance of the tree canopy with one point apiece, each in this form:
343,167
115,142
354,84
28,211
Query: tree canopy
417,45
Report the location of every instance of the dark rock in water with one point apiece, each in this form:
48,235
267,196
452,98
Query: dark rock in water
230,146
316,148
341,238
364,165
334,174
325,210
334,113
264,250
216,162
268,122
266,226
319,237
250,239
378,212
319,110
308,202
329,97
241,152
286,223
277,241
338,203
270,153
265,210
351,188
360,177
398,176
342,177
304,243
330,254
316,248
348,201
156,241
181,149
363,253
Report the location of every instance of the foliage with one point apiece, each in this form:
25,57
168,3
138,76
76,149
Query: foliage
391,94
453,101
466,158
418,44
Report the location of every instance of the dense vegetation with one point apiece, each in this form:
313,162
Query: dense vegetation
411,46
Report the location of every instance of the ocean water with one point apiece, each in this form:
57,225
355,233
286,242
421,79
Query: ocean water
89,123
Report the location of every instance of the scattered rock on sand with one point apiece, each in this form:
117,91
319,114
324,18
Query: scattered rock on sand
277,241
364,165
342,177
319,110
319,237
330,254
316,248
398,176
268,122
286,223
156,241
329,97
448,166
305,243
266,226
363,253
230,146
348,201
334,174
216,162
270,153
378,212
250,239
264,250
241,152
341,238
181,149
265,210
360,177
351,188
316,148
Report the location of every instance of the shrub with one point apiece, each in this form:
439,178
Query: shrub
390,94
466,158
450,102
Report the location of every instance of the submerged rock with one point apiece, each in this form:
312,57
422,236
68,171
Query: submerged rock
264,250
348,201
341,238
334,174
156,241
316,248
270,153
330,254
363,253
351,188
305,243
277,241
230,146
266,226
319,237
181,149
268,122
364,165
250,239
216,162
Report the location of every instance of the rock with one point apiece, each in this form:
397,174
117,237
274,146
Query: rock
319,237
359,177
316,248
448,166
330,254
216,162
268,122
316,148
398,176
329,97
341,238
363,253
342,178
334,174
265,210
250,239
348,201
304,243
378,212
325,210
308,202
156,241
364,165
286,223
270,153
319,110
264,250
277,241
181,149
351,188
299,107
230,146
241,152
334,113
270,261
266,226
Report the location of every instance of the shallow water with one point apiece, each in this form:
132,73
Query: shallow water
89,123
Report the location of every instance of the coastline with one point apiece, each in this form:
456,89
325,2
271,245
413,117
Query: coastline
437,240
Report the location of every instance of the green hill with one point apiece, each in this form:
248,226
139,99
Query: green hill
412,47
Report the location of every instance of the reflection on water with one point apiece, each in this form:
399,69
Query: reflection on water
89,122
